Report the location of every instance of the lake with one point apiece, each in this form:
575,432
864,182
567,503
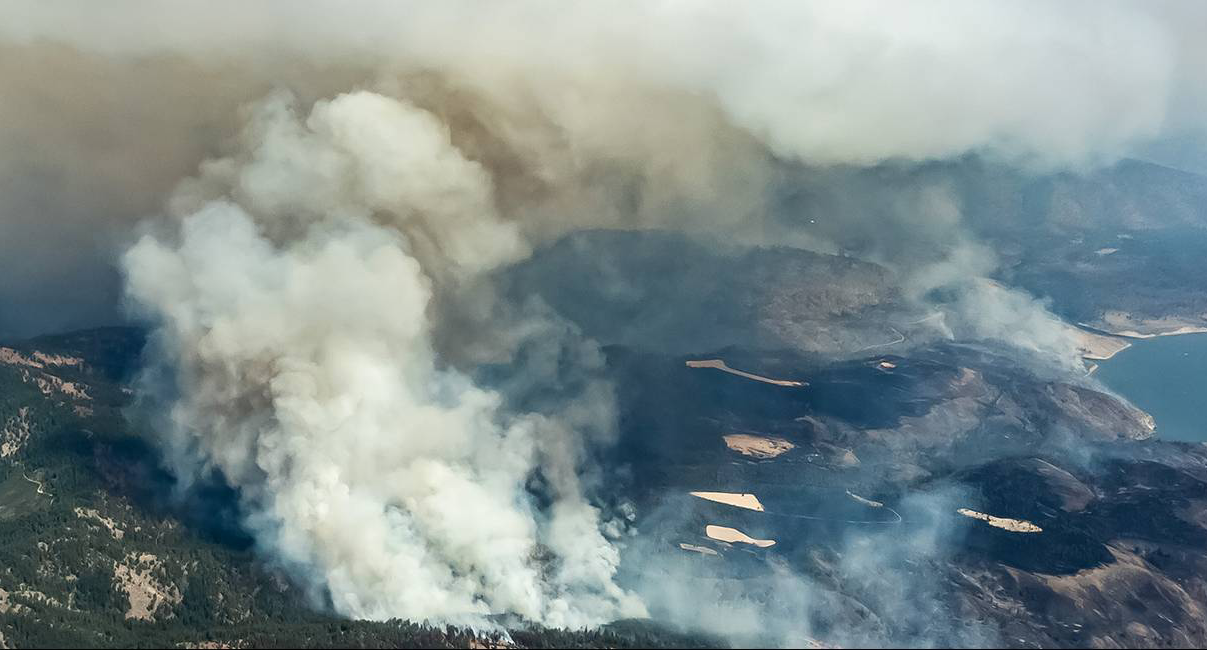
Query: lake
1166,376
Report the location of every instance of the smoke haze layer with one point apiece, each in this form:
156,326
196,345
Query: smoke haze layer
312,206
660,113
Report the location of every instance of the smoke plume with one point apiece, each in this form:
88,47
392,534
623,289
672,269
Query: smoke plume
296,317
326,333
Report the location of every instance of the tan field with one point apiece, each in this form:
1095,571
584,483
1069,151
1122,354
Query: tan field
733,535
720,365
747,501
757,446
1012,525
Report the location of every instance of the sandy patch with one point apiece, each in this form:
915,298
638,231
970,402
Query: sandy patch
37,360
733,535
35,596
720,365
15,433
94,515
58,359
757,446
702,550
11,357
866,502
1098,347
8,606
49,384
136,575
742,500
1012,525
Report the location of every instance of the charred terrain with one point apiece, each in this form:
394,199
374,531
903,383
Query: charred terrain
859,474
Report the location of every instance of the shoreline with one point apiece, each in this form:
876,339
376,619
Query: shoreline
1188,329
1096,345
1163,370
1124,324
1087,331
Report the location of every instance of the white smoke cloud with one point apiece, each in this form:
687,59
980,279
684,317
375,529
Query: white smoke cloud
296,316
857,82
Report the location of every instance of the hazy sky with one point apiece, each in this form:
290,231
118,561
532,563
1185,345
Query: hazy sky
107,106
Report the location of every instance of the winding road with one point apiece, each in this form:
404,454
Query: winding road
41,489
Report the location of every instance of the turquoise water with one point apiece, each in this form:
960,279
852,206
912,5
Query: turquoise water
1166,376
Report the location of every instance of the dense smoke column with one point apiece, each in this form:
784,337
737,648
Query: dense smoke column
294,309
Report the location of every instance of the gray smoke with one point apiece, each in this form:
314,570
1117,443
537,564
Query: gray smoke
878,590
319,284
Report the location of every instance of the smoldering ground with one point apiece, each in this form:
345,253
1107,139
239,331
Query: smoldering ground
309,209
870,585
